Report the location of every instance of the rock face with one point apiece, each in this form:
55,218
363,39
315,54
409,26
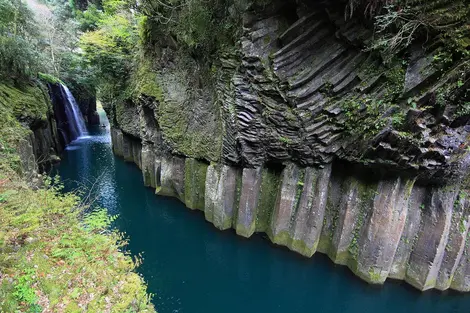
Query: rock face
379,228
46,136
303,135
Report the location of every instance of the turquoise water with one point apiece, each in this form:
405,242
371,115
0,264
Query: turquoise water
191,267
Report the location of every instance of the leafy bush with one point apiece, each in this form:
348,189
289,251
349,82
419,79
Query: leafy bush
108,50
200,26
19,55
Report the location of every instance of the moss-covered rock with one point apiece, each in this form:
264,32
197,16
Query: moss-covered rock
195,183
28,103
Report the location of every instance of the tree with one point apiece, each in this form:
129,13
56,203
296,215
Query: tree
19,53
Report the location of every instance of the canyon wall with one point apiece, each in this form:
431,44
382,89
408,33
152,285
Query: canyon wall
300,132
379,228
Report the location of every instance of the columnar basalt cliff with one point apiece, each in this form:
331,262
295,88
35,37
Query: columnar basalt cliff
302,134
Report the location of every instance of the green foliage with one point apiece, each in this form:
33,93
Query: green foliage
58,258
19,55
98,220
26,102
200,26
364,115
90,18
109,49
285,140
25,293
50,250
49,78
143,80
455,93
403,22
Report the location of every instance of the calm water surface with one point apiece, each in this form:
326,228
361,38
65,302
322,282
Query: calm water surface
191,267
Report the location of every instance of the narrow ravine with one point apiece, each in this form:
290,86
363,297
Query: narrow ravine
192,267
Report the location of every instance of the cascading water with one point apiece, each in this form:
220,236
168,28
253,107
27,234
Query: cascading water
74,116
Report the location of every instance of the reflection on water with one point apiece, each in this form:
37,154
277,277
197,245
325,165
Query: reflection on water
192,267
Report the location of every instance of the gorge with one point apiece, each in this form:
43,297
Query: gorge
300,135
190,266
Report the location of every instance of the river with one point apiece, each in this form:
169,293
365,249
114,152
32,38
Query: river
191,267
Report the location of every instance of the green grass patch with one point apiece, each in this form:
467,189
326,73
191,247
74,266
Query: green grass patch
55,256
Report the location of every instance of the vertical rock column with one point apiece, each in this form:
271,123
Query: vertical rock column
170,178
270,183
117,141
249,196
349,204
461,278
148,165
383,230
221,195
344,222
29,166
410,231
286,204
194,184
306,228
428,250
127,150
137,153
331,215
456,242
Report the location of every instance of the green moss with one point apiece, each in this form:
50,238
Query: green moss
174,119
25,102
226,223
236,205
282,238
366,197
285,140
324,245
49,78
213,171
364,115
375,276
269,189
195,184
144,81
164,190
301,247
340,257
246,231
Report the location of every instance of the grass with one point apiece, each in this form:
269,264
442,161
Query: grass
53,257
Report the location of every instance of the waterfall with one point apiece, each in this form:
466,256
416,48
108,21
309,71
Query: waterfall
74,116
